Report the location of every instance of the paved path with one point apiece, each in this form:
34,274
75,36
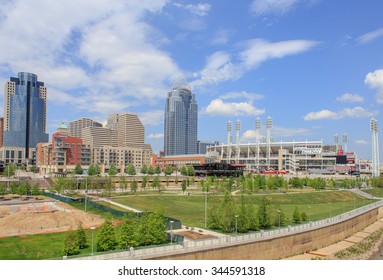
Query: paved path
364,194
120,205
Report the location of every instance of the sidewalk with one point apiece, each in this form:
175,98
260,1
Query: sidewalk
342,245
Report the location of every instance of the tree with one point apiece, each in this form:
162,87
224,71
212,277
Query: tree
144,169
36,189
184,185
157,170
78,169
129,234
304,216
152,228
3,189
243,220
150,170
80,236
279,217
112,170
264,214
144,182
130,170
106,238
190,170
109,187
123,183
296,215
24,188
133,186
184,171
70,244
10,170
168,170
156,182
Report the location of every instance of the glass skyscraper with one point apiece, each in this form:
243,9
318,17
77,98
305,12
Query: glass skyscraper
25,103
181,121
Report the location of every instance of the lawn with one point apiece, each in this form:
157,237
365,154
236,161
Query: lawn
191,209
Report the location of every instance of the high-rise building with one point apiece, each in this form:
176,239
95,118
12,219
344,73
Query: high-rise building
181,120
25,109
129,127
1,131
75,127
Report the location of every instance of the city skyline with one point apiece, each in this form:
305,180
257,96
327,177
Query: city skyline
314,66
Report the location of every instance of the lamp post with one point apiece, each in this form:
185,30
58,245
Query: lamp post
309,213
171,231
92,228
205,207
86,190
236,224
330,209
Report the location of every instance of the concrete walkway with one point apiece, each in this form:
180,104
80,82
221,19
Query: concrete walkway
342,245
120,205
364,194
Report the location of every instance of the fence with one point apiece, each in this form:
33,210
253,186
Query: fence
171,223
225,241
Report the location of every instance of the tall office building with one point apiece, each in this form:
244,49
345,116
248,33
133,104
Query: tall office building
25,109
181,120
76,127
130,130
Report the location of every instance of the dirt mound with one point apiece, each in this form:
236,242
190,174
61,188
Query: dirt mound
62,218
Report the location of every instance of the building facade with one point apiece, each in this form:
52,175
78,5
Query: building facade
181,121
202,145
63,153
76,127
25,109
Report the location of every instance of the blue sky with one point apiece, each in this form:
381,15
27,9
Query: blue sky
314,66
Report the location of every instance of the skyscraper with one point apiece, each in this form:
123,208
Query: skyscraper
76,127
25,103
181,120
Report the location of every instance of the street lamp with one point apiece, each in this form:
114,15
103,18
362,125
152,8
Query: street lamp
205,207
86,190
236,224
92,228
309,213
330,209
171,231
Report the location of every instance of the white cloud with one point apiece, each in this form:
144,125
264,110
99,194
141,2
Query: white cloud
155,136
242,94
153,118
278,7
356,112
221,37
375,81
201,9
370,36
362,142
350,98
218,107
220,67
86,56
260,7
259,50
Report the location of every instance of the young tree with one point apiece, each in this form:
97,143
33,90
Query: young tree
304,216
123,183
296,215
152,228
24,188
144,169
130,170
190,170
168,170
10,170
265,214
3,189
184,185
129,234
78,169
106,238
80,236
150,170
157,170
70,244
109,187
133,186
36,189
112,169
184,171
227,213
279,216
144,182
243,220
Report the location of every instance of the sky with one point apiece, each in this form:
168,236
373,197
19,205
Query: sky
314,66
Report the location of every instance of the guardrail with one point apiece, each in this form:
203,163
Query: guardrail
225,241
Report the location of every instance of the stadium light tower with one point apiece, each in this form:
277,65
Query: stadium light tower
229,138
375,148
257,138
269,124
345,138
237,129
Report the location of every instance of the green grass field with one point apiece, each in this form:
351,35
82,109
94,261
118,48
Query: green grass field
191,209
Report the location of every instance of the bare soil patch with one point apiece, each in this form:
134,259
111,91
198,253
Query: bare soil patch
43,217
194,235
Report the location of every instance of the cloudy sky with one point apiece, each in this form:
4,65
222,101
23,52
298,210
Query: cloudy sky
314,66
